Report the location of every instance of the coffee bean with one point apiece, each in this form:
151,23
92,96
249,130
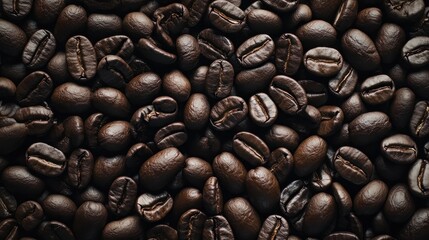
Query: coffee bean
196,10
255,51
114,71
17,10
260,20
389,42
75,18
309,155
197,112
353,165
9,229
79,168
153,208
289,54
226,16
332,118
107,169
263,189
399,148
252,81
39,49
360,51
230,172
243,218
151,82
12,135
153,50
191,224
346,15
282,6
416,81
122,195
137,25
418,178
34,89
342,199
176,85
54,230
19,181
71,98
293,198
170,21
125,228
101,25
197,171
81,58
172,135
323,61
215,46
371,197
59,207
377,89
119,45
399,206
262,110
186,199
319,214
287,94
250,148
212,196
317,33
416,227
369,20
281,136
219,79
228,112
217,227
402,107
7,204
13,39
45,159
162,231
89,213
419,122
160,169
29,215
396,11
369,127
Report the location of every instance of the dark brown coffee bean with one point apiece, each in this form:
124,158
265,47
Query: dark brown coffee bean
317,33
369,127
196,10
418,178
34,89
219,79
71,98
160,169
283,5
263,189
353,165
197,171
226,16
230,172
176,85
111,102
287,94
346,15
122,195
9,229
22,183
263,21
107,169
162,231
301,15
148,47
89,213
37,119
399,206
7,204
371,197
16,10
122,229
309,155
319,214
377,89
360,51
323,61
217,227
153,208
344,83
274,227
416,81
102,25
228,112
172,135
262,110
45,159
119,45
191,224
399,148
59,207
81,58
13,39
243,218
39,49
170,21
252,81
342,199
186,199
281,136
54,230
369,20
197,112
188,51
212,196
148,83
398,11
255,51
332,119
137,25
389,42
29,215
250,148
114,71
280,163
416,227
289,54
419,122
294,198
215,46
75,18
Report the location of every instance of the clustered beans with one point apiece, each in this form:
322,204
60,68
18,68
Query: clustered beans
214,119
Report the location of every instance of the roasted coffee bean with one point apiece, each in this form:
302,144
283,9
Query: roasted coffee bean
346,15
122,195
281,136
287,94
19,181
217,227
153,208
197,112
45,159
402,107
360,51
289,54
263,21
107,169
149,82
7,88
325,10
162,112
198,79
399,11
369,20
176,85
38,119
309,155
16,10
71,98
191,224
219,79
321,179
197,171
119,45
252,81
170,21
371,197
148,47
81,58
39,49
317,93
230,172
101,25
399,206
416,227
418,178
13,39
214,45
186,199
188,51
419,122
89,213
377,89
317,33
212,196
274,227
280,163
59,207
125,228
115,136
369,127
162,231
399,148
243,218
319,213
196,10
255,51
250,148
54,230
342,199
137,25
9,229
323,61
302,14
283,5
416,81
332,119
262,110
7,204
263,189
75,18
111,102
293,198
160,169
353,165
79,168
29,215
225,16
389,42
228,112
172,135
34,89
114,71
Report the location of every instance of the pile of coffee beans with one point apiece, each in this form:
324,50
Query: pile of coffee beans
214,119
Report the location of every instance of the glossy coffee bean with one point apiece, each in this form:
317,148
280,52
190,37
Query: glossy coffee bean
353,165
119,45
230,172
226,17
289,54
71,98
9,229
252,81
34,89
186,199
111,101
212,196
153,208
18,180
176,85
214,45
170,21
281,136
162,231
39,49
274,227
80,165
54,230
122,195
81,58
399,205
287,94
191,224
13,39
38,119
172,135
399,148
255,51
45,159
137,25
188,51
125,228
134,89
396,12
309,155
29,215
369,127
418,178
262,110
323,61
107,169
250,148
419,122
228,112
89,213
160,169
317,33
377,89
260,20
360,51
293,198
389,41
331,121
217,227
197,171
219,79
8,204
101,25
196,112
114,71
416,227
18,10
402,107
263,189
370,199
319,214
243,218
75,18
